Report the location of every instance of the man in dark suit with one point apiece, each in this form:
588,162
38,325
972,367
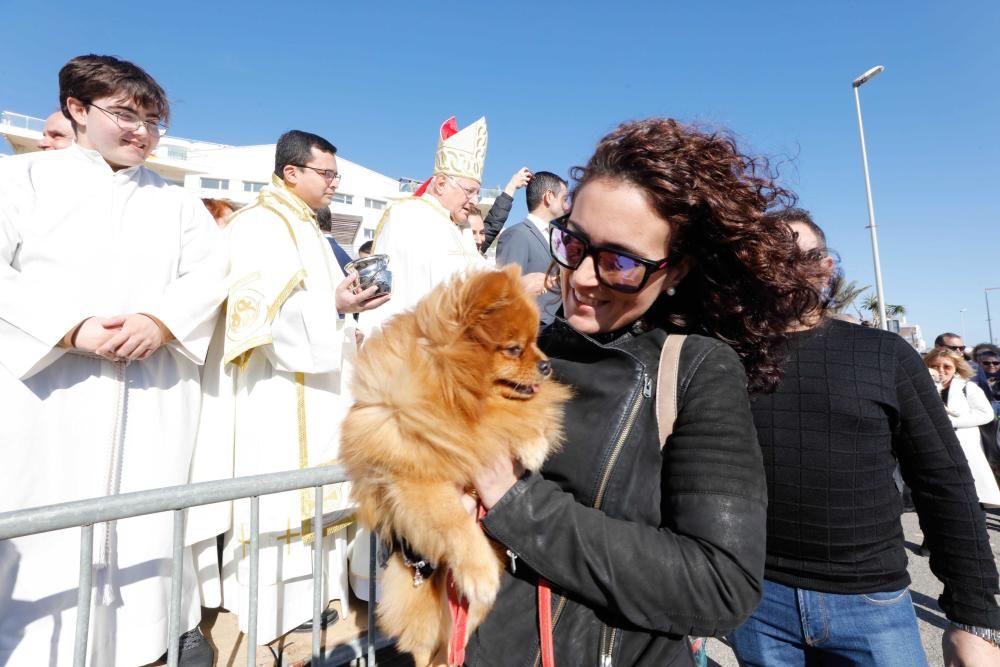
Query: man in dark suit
527,243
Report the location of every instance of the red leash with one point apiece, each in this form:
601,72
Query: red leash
460,615
459,610
545,623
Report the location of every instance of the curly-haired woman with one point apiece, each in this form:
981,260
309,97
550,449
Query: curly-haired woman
644,542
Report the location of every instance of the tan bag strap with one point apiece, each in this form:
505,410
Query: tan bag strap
666,386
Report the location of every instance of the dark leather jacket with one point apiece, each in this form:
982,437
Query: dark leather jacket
641,547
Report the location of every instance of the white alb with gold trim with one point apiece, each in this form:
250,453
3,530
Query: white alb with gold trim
282,357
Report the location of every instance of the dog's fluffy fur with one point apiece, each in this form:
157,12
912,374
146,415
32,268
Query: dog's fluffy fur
440,393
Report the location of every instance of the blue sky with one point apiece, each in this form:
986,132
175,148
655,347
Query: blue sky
552,77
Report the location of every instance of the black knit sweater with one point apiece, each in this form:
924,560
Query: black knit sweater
853,402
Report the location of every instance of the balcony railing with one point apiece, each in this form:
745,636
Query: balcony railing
167,150
19,120
409,187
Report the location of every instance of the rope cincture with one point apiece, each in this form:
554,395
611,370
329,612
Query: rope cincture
112,486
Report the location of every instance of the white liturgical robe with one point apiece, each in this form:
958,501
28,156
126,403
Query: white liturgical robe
425,248
78,240
282,356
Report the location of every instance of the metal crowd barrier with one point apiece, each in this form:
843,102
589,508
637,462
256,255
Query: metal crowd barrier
86,513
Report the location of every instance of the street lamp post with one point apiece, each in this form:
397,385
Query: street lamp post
879,291
989,322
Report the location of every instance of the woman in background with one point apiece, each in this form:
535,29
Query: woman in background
968,408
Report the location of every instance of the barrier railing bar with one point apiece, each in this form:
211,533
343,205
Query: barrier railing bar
176,578
84,594
124,505
372,567
254,577
85,513
318,597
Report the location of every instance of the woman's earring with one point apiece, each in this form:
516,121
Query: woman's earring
671,291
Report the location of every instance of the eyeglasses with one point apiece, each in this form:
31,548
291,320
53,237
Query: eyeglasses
327,174
616,269
470,194
957,348
989,363
130,122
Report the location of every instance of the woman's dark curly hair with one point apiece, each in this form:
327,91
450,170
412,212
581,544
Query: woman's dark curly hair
747,284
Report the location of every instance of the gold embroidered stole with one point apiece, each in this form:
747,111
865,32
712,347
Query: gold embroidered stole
251,309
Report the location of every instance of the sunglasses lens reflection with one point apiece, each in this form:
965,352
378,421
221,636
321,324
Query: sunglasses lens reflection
567,249
619,270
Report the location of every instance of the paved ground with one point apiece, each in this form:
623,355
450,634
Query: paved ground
924,590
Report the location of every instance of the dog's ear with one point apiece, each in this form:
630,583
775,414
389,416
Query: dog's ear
485,292
464,301
514,271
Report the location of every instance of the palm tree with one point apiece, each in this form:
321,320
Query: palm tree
870,304
845,294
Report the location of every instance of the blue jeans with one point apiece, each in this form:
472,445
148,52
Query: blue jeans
795,626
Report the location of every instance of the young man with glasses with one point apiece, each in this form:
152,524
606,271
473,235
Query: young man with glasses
110,285
421,234
275,391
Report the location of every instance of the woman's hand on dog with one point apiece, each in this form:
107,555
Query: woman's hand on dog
350,298
496,479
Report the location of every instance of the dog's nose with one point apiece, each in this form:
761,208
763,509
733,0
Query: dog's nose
545,367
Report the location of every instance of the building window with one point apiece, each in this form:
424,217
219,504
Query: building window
376,204
340,198
177,153
215,183
369,234
249,186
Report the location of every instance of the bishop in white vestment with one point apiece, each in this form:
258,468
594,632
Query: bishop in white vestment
285,352
421,234
77,240
425,248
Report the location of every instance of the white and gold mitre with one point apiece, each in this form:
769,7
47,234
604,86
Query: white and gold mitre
462,153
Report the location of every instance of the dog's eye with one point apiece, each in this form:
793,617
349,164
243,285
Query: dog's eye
513,350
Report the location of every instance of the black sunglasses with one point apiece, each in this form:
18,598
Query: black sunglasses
616,269
989,363
957,348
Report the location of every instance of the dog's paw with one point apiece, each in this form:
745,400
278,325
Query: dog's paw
478,582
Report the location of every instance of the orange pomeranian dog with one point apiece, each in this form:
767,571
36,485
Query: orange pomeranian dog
440,393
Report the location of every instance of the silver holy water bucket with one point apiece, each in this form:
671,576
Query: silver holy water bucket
373,270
